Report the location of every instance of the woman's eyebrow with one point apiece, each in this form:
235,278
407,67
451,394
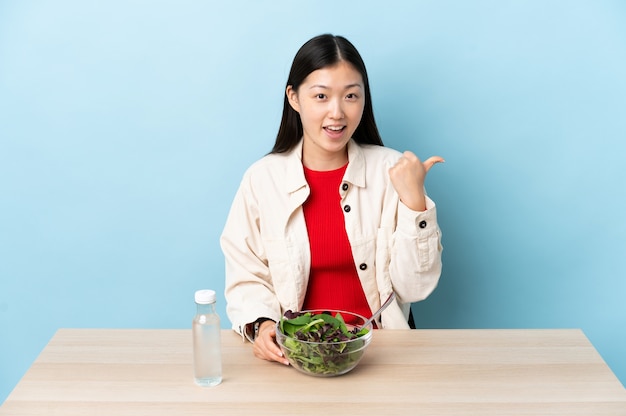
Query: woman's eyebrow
357,85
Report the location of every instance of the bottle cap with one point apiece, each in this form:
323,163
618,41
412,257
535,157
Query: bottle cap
205,296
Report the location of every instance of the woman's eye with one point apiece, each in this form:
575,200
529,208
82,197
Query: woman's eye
352,96
320,96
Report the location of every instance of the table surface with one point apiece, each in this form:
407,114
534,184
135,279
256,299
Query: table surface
404,372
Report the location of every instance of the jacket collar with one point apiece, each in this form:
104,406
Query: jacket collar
355,173
296,179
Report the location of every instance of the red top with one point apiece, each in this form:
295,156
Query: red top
333,282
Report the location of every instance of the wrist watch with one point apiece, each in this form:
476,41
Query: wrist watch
257,325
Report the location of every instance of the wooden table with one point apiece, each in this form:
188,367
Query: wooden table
413,372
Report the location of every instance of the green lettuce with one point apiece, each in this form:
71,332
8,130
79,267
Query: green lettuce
324,350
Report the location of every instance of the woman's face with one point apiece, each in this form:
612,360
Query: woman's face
330,102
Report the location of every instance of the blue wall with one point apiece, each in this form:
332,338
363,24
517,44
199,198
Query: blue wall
125,127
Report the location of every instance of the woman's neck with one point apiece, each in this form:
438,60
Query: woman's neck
325,161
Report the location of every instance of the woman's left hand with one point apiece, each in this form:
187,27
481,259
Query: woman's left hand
407,177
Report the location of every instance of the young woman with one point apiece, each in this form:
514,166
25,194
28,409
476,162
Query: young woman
330,219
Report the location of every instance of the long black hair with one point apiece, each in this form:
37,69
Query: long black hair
320,52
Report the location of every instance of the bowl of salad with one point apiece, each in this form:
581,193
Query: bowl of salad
323,343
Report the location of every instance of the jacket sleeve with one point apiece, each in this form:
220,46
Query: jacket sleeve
415,264
248,285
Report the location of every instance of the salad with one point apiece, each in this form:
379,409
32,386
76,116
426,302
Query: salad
320,343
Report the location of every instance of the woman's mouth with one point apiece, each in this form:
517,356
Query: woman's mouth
334,131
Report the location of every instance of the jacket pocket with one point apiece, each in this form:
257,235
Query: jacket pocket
383,259
282,276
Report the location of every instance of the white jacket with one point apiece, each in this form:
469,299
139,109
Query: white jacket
266,246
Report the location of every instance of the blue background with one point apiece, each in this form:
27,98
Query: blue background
125,127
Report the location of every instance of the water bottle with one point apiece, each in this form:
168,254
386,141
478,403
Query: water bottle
207,356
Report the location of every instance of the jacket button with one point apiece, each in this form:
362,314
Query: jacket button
422,224
363,266
347,208
345,186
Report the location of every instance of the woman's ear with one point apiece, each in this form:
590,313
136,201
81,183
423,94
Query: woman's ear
292,96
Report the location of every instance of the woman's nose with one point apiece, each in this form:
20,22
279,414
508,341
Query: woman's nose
336,110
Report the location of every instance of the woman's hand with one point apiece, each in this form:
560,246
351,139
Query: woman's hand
407,177
265,346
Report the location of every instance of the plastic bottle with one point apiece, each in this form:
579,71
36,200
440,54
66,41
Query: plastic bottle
207,354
